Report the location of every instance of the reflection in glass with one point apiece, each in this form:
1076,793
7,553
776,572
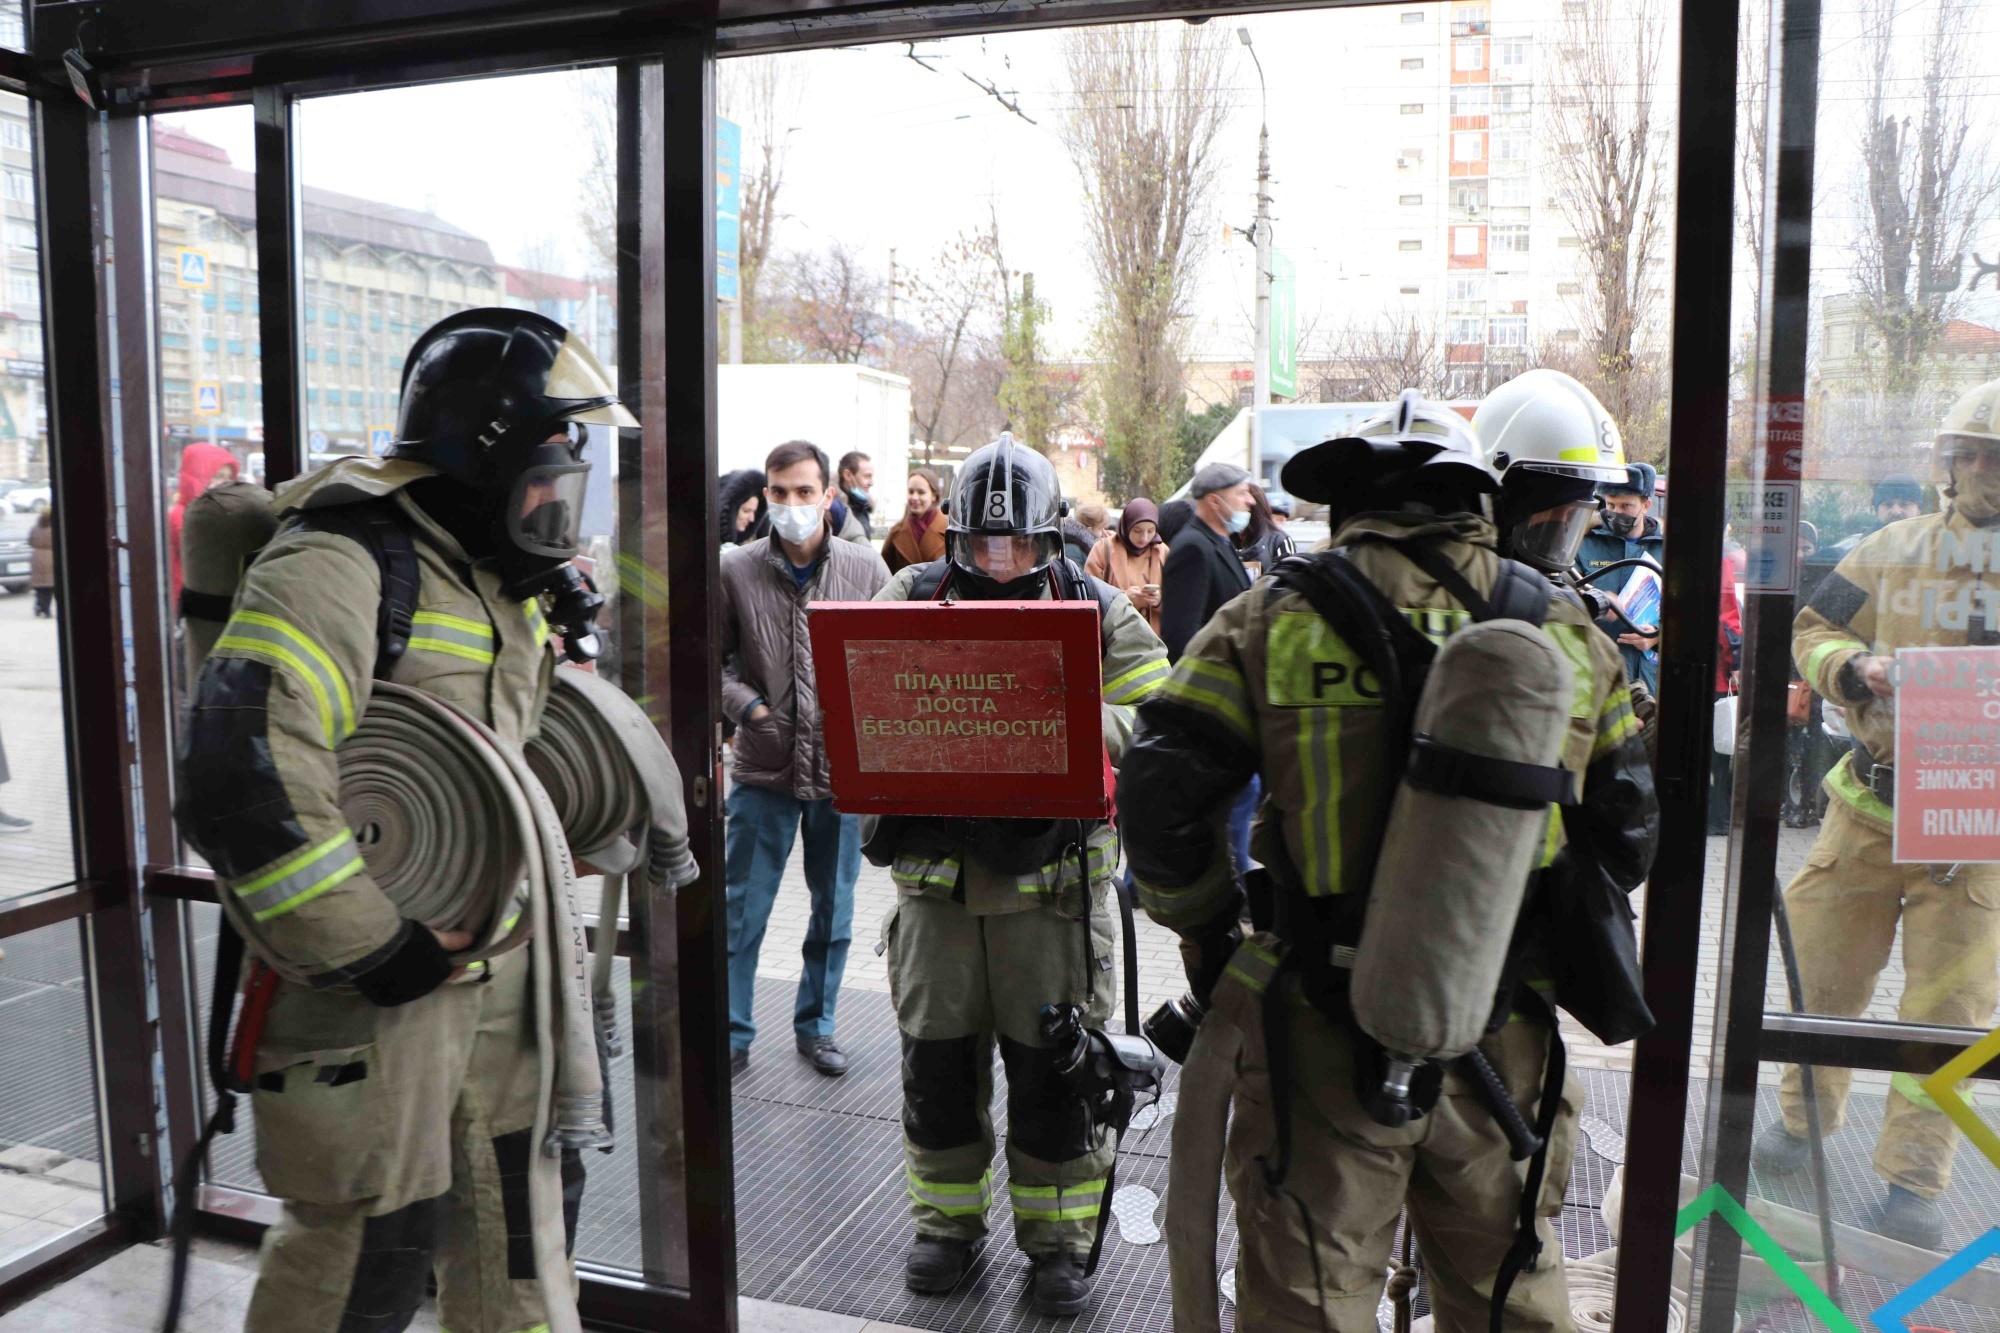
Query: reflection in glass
34,771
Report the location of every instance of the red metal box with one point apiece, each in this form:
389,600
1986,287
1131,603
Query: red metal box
968,708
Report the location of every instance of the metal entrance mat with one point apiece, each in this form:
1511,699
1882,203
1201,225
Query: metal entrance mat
823,1215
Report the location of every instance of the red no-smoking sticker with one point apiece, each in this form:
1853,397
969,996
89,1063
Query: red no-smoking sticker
1947,755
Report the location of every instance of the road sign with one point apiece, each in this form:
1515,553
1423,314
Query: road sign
1947,755
379,438
317,441
728,206
194,268
1284,327
208,400
1764,516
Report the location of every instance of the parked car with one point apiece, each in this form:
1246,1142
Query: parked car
16,557
28,499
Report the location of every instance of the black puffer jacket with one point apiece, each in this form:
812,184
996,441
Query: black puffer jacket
730,492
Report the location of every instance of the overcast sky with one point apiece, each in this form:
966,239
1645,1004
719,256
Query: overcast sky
890,154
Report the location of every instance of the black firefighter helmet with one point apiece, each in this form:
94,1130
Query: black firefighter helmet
1006,514
484,393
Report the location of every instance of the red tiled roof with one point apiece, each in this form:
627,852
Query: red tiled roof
1962,337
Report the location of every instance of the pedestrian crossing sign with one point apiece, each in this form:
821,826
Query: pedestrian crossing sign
208,400
194,268
379,438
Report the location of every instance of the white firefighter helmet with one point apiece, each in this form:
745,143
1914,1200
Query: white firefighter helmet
1545,420
1404,443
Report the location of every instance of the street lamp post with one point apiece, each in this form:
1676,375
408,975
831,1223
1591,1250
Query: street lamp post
1260,236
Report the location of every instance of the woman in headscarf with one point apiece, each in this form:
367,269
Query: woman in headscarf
918,537
1131,559
739,500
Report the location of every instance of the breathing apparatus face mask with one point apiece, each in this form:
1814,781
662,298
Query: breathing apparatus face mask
538,530
1549,540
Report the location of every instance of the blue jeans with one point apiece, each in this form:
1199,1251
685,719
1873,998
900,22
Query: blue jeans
762,824
1241,816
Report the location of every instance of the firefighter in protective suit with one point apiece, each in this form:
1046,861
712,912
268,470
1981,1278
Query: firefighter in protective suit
995,918
1270,687
395,1092
1924,581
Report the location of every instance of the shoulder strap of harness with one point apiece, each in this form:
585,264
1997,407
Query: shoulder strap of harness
385,534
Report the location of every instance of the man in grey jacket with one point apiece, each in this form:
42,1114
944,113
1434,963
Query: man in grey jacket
781,779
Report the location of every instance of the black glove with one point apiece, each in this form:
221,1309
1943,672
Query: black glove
418,966
1206,950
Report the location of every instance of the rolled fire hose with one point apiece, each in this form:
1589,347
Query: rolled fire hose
453,824
618,793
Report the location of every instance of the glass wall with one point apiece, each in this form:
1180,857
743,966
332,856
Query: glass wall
34,770
1868,473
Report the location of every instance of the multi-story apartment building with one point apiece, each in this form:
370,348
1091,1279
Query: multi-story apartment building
1448,240
373,277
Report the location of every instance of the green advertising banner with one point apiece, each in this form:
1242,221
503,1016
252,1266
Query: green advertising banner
1284,328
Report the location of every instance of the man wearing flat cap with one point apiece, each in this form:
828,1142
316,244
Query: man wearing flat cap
1203,570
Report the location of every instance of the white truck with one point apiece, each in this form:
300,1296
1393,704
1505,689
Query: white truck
838,408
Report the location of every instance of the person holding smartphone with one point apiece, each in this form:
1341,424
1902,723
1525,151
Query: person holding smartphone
1133,558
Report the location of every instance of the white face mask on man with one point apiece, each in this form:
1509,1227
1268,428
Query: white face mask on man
796,523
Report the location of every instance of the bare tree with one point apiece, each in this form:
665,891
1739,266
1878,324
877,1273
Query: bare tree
1608,159
1147,103
597,113
1927,181
1375,360
832,308
763,95
951,353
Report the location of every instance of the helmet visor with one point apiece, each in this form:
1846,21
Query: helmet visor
1003,558
546,508
1970,453
579,377
1551,538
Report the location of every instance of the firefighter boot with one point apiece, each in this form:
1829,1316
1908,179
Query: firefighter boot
1910,1218
1061,1289
1779,1152
936,1264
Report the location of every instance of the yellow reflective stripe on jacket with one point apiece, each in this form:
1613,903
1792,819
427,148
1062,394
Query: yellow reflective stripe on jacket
1051,1203
1253,965
1319,817
1816,660
1574,642
936,874
1212,688
266,636
1097,860
301,879
1616,722
532,609
455,636
953,1198
1131,686
1843,783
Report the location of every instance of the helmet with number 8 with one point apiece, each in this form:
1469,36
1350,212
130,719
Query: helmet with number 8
1006,514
